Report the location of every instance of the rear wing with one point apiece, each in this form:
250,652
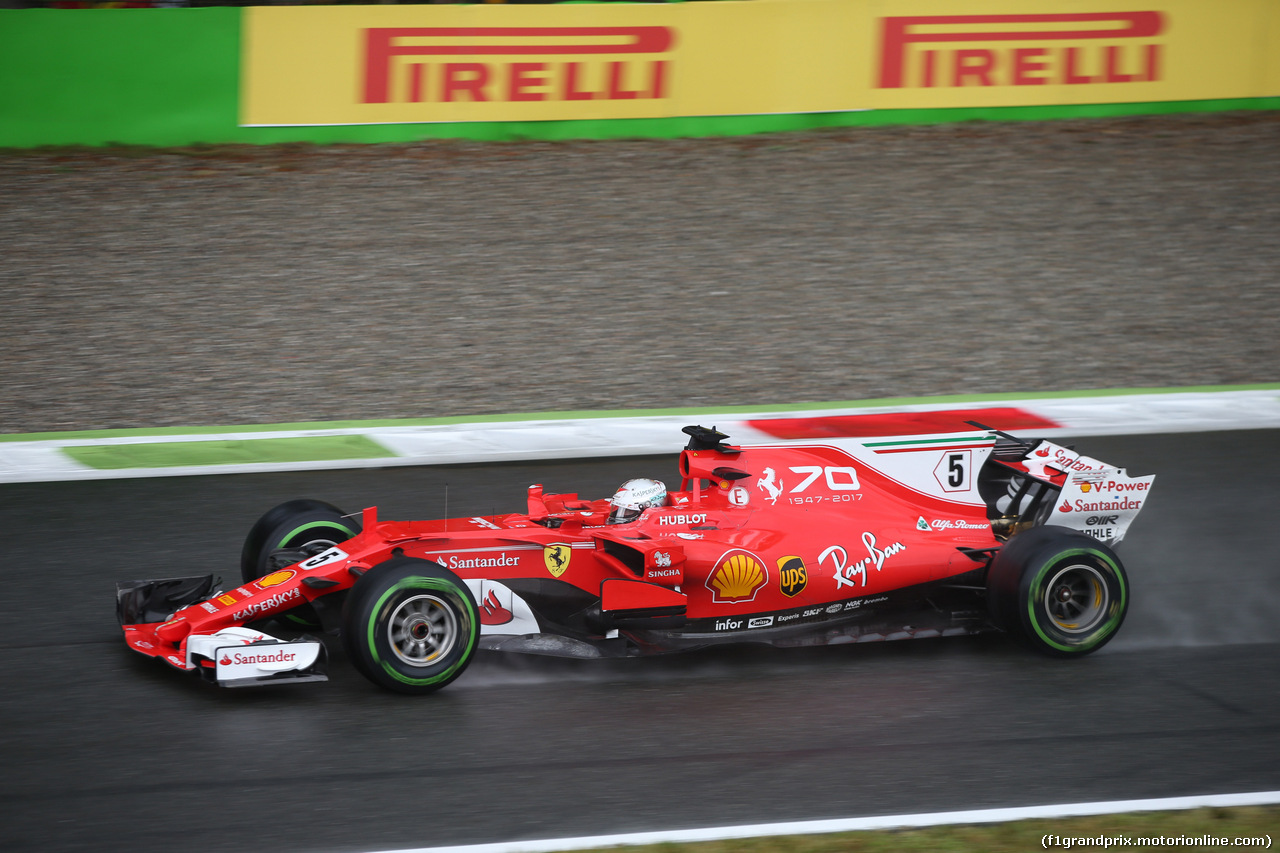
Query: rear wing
1048,484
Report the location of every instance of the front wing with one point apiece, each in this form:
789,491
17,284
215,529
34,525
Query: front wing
231,657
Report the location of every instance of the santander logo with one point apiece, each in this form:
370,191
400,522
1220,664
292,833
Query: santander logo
493,613
258,657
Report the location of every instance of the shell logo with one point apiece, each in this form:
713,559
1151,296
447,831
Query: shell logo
275,579
737,578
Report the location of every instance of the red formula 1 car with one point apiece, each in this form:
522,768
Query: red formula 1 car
843,542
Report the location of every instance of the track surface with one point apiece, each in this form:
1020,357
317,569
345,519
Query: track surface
106,750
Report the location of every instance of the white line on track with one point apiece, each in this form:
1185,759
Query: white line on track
908,821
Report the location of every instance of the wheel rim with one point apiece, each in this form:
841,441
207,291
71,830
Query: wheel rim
422,630
1077,599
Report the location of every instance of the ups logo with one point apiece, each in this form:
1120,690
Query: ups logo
793,577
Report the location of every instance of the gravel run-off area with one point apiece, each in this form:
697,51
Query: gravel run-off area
243,285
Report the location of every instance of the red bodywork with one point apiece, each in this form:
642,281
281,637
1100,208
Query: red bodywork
766,543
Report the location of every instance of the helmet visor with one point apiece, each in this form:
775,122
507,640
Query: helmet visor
622,514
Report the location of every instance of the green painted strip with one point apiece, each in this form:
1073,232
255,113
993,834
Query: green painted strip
622,413
172,454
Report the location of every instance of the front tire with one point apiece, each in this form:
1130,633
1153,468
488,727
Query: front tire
410,625
288,533
1060,592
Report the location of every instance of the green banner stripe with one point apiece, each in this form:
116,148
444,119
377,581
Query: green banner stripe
735,125
176,454
119,77
622,413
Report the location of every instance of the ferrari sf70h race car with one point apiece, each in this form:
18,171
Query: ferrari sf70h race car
848,541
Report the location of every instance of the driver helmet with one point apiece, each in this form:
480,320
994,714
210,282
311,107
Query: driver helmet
634,497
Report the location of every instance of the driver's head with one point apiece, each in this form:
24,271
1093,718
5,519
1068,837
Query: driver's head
634,497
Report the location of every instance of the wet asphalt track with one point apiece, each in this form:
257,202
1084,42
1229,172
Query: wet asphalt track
104,750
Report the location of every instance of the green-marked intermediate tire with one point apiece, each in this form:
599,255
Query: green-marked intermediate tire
290,532
1060,592
410,625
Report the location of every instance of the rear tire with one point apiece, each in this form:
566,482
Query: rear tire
1060,592
288,533
410,625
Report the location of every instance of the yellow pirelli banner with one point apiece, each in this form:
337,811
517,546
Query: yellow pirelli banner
336,65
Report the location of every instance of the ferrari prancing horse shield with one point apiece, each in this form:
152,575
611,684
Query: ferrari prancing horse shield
557,558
